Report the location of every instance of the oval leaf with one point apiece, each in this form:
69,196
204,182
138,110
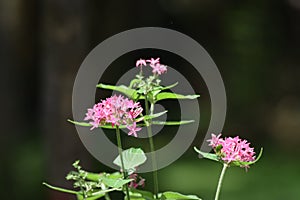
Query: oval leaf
178,196
170,95
132,158
172,123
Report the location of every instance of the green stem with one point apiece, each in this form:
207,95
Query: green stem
122,160
107,196
152,148
220,181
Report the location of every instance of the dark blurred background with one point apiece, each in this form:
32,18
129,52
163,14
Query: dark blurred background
255,44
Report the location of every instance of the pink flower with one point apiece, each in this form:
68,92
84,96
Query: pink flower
214,141
232,149
159,69
140,63
137,181
133,129
115,110
153,61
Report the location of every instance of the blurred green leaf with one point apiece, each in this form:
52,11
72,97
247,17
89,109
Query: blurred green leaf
169,86
136,194
132,158
85,124
172,123
80,197
177,196
170,95
121,88
115,182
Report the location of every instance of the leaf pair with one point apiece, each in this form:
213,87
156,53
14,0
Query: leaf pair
157,94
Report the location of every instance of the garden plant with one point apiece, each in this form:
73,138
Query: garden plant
131,110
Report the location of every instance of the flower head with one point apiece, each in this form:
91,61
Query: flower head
232,149
133,129
153,61
159,69
140,63
137,181
115,110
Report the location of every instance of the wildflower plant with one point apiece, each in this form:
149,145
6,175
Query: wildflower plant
230,151
117,112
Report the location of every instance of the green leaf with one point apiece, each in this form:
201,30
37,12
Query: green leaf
210,156
169,86
115,175
172,123
147,117
80,197
85,124
170,95
79,123
115,183
132,158
136,194
178,196
94,176
131,93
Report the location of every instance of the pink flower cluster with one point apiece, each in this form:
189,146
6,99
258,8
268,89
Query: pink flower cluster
157,68
116,110
232,149
137,181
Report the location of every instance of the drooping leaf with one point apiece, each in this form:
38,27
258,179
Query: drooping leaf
172,123
178,196
210,156
79,123
60,189
129,92
121,88
132,158
170,95
169,86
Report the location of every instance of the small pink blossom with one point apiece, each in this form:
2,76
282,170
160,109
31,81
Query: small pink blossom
115,110
137,181
159,69
153,61
232,149
140,63
133,129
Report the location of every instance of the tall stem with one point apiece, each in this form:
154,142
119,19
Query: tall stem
121,158
152,148
220,181
107,196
